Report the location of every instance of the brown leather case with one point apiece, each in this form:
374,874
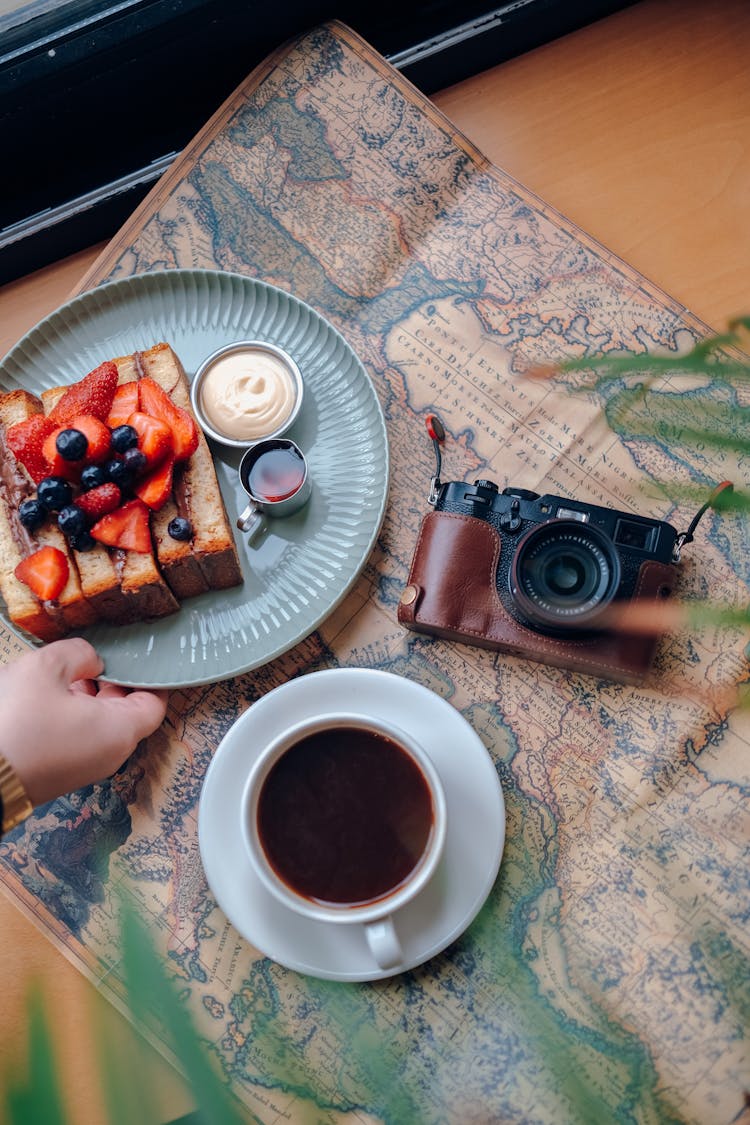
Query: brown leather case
452,593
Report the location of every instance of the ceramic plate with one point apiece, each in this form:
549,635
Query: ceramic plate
296,570
474,840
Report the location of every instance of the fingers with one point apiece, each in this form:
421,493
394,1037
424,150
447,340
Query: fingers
72,659
83,687
111,691
134,714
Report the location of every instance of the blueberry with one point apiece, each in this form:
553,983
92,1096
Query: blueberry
119,473
32,514
135,460
124,438
180,528
91,477
83,541
53,493
71,445
72,520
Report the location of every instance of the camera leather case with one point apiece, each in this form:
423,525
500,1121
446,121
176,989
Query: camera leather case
452,593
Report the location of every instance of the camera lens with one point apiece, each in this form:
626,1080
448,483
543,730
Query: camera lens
563,574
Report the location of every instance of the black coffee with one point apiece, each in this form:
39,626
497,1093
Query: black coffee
344,816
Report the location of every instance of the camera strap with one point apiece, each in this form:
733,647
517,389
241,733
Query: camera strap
724,489
436,430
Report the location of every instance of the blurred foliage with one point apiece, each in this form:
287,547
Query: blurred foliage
35,1097
695,405
695,408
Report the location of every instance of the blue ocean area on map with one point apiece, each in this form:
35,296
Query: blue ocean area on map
65,861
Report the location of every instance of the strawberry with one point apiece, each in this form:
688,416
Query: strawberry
25,440
156,488
96,433
97,502
91,395
156,402
45,572
57,465
154,437
124,404
126,527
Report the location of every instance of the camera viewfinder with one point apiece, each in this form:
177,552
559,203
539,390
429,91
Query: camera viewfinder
632,534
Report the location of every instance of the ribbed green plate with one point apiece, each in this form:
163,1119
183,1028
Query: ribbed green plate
296,570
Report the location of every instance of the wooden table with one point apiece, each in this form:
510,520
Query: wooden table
638,129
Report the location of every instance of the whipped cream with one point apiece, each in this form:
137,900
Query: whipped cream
248,394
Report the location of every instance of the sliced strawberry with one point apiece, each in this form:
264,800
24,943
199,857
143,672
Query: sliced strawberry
45,573
124,404
97,502
96,433
91,395
26,439
156,402
58,466
126,527
156,488
154,437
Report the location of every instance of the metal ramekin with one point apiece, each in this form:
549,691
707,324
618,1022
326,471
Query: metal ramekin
227,349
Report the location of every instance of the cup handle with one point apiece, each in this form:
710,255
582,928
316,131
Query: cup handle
384,944
250,519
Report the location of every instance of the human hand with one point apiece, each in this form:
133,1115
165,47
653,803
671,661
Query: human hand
59,728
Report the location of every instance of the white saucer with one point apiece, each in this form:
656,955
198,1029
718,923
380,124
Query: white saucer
474,843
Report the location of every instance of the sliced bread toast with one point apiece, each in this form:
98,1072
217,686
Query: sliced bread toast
197,496
176,557
70,610
129,583
128,574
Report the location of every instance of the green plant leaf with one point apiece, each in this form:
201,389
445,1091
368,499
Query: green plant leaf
38,1100
153,1000
126,1101
708,357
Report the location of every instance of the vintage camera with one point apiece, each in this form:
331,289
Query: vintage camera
539,576
567,561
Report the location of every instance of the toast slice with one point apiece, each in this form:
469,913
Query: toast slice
177,559
112,583
125,586
100,581
71,610
210,559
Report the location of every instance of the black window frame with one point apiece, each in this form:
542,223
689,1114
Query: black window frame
96,101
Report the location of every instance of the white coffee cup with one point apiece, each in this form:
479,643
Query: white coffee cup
378,914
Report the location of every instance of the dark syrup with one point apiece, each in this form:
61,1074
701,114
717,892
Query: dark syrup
344,816
276,474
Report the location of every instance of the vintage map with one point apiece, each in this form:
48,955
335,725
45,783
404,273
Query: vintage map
606,979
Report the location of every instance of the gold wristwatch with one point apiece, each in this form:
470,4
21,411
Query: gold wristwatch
16,805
